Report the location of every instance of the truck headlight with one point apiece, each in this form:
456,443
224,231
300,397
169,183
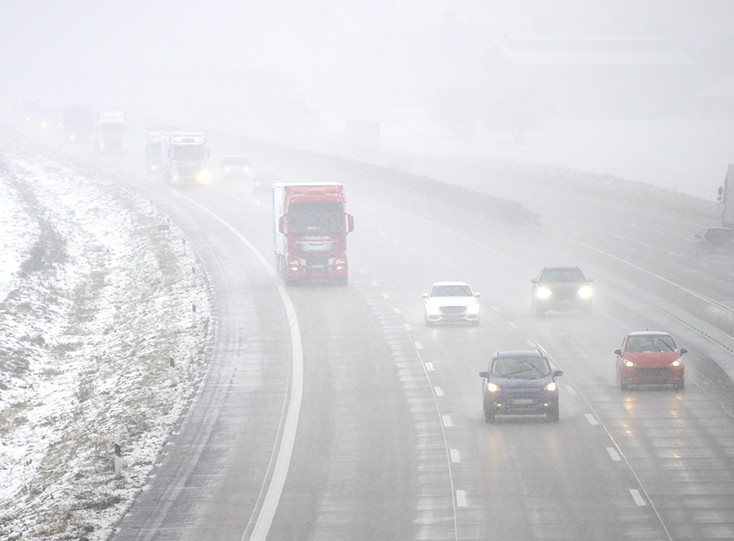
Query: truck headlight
203,177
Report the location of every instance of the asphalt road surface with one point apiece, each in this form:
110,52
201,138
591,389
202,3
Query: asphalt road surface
335,413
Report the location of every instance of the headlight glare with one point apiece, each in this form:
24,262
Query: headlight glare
552,387
493,388
585,292
628,363
677,362
543,293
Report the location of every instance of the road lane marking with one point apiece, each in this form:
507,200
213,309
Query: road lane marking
494,308
429,367
513,324
637,497
455,456
290,413
374,283
418,345
386,296
447,420
362,271
397,310
439,390
531,343
408,326
592,420
570,389
613,454
461,498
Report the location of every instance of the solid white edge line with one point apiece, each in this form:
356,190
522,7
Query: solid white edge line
288,437
288,440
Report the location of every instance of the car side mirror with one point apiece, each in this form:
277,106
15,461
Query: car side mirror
683,351
483,374
697,236
557,373
424,295
477,294
618,352
589,279
534,281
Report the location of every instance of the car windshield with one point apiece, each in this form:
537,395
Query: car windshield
718,234
451,291
566,274
521,367
637,344
235,162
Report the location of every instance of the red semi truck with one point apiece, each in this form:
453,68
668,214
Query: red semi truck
310,228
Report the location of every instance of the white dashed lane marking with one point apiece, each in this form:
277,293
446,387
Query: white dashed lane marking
613,454
447,420
639,500
592,420
439,391
461,498
455,456
418,345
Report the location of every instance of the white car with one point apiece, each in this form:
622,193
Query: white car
451,301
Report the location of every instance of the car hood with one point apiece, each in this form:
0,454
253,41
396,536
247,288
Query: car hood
652,359
517,383
451,301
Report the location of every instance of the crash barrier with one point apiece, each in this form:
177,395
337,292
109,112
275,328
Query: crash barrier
706,309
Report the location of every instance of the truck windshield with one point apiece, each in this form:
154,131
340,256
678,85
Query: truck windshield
111,129
316,218
189,152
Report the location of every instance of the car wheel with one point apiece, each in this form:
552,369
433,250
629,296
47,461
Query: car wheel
553,414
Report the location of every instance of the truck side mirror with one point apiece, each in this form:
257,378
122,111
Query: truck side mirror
281,225
350,223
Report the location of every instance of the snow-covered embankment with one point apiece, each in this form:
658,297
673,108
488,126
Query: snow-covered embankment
98,337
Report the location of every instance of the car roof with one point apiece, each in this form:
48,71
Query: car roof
520,353
559,267
649,333
449,284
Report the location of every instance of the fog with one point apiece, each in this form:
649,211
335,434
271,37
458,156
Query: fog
643,90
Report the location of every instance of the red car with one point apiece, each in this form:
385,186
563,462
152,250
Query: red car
650,358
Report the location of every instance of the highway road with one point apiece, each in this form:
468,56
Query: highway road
335,413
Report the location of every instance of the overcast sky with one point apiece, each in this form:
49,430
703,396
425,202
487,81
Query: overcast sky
450,64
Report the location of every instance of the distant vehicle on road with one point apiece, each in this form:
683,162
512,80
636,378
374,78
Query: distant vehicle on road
650,358
715,240
561,288
263,182
235,168
451,302
520,382
79,123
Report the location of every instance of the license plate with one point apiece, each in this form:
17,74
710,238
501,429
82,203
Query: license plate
523,401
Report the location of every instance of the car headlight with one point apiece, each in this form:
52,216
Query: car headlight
543,293
628,363
585,292
493,388
552,387
473,308
677,362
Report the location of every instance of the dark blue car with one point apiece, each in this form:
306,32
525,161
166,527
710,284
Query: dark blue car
520,382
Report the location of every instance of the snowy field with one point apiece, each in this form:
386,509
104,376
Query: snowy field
98,340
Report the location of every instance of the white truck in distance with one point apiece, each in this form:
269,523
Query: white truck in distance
155,150
111,131
185,156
